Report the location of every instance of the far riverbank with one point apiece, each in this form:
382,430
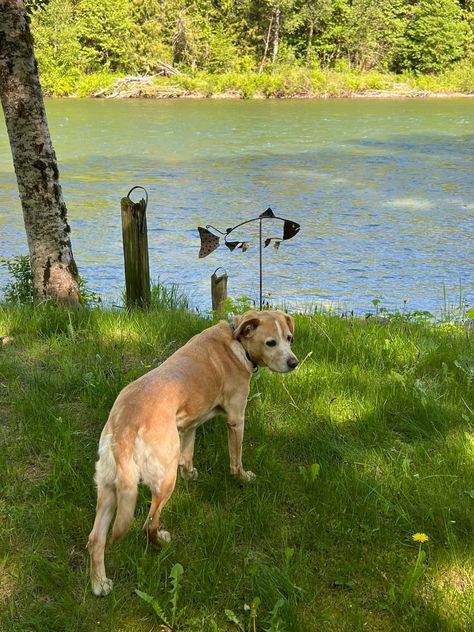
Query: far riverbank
292,82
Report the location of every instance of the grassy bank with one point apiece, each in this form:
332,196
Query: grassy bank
368,442
288,82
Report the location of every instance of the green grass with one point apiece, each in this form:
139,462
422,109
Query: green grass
282,82
385,410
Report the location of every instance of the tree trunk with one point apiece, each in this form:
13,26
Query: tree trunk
276,34
53,267
309,48
267,43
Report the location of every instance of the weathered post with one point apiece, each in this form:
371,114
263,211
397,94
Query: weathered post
135,251
219,294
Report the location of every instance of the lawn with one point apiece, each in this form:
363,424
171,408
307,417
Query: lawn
367,443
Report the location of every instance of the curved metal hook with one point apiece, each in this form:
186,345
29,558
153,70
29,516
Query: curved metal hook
143,189
220,268
216,229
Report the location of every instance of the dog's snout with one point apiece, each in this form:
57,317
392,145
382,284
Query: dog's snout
292,362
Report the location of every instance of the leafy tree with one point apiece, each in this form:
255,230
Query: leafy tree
107,33
375,33
135,36
153,38
436,36
57,46
332,43
314,15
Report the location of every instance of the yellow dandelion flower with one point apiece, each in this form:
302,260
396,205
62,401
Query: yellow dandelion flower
420,537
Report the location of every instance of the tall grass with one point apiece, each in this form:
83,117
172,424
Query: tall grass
368,442
282,82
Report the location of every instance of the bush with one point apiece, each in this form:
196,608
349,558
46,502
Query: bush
436,36
19,289
88,85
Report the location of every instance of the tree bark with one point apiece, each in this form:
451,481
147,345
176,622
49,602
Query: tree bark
53,267
309,48
267,43
276,34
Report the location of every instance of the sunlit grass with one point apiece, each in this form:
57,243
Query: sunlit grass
282,82
368,443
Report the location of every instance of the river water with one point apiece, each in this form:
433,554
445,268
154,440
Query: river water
383,190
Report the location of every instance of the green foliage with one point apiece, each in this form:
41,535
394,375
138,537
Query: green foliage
168,296
222,39
376,32
90,84
437,34
35,5
170,620
401,597
57,47
19,289
106,32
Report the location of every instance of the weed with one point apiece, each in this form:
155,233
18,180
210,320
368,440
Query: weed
168,296
19,289
272,623
402,597
170,619
310,473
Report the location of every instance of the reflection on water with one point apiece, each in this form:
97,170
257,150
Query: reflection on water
383,191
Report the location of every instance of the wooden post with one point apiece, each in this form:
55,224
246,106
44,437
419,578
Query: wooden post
219,295
135,252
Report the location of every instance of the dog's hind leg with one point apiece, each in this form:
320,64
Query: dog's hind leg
159,499
106,503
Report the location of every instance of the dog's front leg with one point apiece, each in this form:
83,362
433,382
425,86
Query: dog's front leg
186,468
235,435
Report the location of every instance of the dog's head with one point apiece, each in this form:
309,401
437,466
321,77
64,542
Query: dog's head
267,337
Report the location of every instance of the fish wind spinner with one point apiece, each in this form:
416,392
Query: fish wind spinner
210,241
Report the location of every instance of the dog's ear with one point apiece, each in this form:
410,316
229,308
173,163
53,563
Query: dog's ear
291,323
246,328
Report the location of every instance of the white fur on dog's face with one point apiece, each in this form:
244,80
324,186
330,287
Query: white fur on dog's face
267,338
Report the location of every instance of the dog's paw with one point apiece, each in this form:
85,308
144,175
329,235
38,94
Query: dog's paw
247,476
163,536
188,475
102,587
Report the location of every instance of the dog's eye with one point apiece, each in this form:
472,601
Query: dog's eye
289,338
271,343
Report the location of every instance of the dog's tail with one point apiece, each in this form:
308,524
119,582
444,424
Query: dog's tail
121,474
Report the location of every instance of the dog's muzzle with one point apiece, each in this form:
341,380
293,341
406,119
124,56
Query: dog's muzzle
292,362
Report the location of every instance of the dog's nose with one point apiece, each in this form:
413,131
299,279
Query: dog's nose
292,362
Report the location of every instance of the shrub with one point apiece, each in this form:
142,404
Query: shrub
88,85
436,36
19,289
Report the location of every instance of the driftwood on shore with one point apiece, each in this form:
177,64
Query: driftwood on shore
149,86
143,85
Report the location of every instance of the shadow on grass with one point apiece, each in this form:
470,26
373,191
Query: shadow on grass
386,425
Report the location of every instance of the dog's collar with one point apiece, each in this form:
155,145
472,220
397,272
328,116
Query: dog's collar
247,354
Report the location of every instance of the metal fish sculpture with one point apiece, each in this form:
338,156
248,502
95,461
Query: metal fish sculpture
210,241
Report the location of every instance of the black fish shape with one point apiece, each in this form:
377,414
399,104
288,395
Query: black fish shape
290,229
232,245
209,242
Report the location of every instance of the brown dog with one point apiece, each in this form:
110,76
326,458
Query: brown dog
152,424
